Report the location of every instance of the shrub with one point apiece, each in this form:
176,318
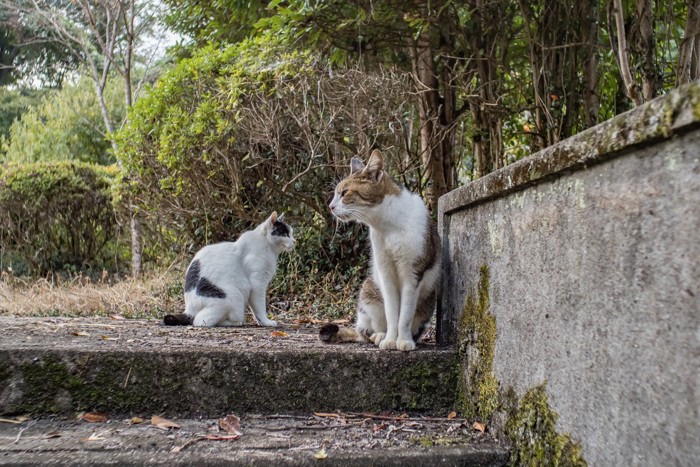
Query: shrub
236,132
58,217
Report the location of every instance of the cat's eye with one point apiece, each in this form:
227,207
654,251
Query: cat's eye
344,192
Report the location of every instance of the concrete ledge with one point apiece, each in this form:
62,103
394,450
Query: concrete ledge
583,264
673,114
141,367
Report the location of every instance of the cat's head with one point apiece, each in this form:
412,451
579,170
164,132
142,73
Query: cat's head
364,188
279,233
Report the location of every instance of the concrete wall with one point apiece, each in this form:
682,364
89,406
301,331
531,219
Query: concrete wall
593,249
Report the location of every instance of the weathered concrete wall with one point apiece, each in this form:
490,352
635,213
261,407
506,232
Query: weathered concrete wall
593,252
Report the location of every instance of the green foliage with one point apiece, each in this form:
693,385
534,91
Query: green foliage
67,125
58,217
233,133
218,21
14,102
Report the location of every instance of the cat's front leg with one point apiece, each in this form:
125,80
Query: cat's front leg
391,312
257,302
409,299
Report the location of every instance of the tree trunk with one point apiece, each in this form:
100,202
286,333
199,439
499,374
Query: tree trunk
588,10
689,55
631,87
431,147
646,47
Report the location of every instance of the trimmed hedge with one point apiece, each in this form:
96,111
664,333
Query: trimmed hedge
59,217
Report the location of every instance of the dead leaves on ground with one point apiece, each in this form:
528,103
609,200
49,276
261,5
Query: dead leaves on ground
163,423
231,424
93,417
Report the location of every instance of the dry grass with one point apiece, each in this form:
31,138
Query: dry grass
149,297
321,297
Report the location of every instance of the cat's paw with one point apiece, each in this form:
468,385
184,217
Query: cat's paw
377,337
405,345
387,344
268,323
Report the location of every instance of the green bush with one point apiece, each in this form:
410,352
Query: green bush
58,217
236,132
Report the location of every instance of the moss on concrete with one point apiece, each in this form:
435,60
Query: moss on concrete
478,397
531,425
531,429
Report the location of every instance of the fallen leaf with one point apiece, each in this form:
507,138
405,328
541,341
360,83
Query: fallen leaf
107,338
321,454
94,437
479,426
188,443
279,334
231,424
452,415
340,321
222,437
163,423
80,333
379,427
327,415
51,434
94,417
116,317
135,421
16,420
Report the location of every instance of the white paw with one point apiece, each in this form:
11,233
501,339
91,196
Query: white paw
387,344
405,345
268,323
377,337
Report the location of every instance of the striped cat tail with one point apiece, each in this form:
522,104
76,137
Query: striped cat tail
334,334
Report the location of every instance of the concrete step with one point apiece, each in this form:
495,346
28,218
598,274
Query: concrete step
140,367
347,440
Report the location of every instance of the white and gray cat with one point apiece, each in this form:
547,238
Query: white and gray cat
398,298
225,278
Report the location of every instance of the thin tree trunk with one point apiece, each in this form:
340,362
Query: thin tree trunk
590,34
631,86
646,43
425,77
689,55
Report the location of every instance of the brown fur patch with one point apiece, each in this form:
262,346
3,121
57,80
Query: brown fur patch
334,334
370,293
431,250
369,186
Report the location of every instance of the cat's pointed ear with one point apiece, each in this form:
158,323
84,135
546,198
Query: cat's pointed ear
280,218
356,165
273,217
375,166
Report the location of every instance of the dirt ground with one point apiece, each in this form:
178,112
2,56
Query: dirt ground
117,333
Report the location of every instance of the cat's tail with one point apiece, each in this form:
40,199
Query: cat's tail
180,319
334,334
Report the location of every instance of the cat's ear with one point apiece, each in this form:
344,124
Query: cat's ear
280,218
356,165
375,166
273,217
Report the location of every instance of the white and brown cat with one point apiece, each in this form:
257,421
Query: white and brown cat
398,298
225,278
